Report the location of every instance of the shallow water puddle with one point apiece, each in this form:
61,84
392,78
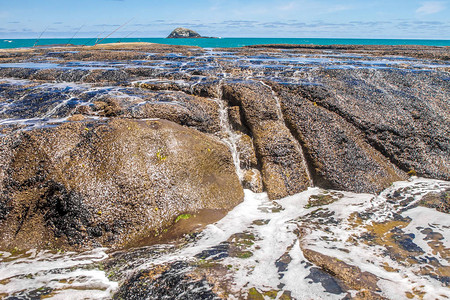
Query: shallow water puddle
318,244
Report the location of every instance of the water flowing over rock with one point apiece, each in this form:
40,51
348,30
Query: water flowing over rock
283,169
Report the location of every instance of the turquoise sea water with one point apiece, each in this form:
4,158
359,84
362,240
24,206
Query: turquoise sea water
224,42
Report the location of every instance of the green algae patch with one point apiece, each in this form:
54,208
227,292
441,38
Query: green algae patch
160,155
253,294
324,198
271,294
412,172
260,222
241,245
244,254
202,263
183,217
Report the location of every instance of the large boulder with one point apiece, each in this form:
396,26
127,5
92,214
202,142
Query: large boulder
87,184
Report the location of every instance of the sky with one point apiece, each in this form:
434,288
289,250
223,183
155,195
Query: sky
408,19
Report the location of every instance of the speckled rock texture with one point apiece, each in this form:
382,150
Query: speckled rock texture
402,115
91,184
339,156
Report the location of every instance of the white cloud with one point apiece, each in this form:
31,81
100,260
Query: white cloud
288,6
431,7
337,8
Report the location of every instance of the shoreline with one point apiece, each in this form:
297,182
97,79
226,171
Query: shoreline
441,53
232,42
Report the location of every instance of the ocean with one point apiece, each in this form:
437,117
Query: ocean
223,42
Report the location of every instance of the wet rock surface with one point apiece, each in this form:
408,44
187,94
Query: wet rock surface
350,118
170,283
440,201
110,145
339,157
351,277
401,114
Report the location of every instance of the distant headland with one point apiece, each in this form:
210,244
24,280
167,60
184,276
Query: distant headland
183,33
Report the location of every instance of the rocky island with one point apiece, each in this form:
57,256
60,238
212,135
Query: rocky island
184,33
326,166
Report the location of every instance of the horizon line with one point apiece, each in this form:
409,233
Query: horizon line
229,37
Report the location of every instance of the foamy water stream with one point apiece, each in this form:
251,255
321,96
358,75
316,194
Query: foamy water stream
274,234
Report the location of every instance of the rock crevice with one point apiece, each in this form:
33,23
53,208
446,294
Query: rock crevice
282,165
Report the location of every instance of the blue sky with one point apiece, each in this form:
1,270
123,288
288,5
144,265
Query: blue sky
227,18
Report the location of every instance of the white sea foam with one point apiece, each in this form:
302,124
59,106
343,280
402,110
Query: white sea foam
61,273
278,237
275,236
